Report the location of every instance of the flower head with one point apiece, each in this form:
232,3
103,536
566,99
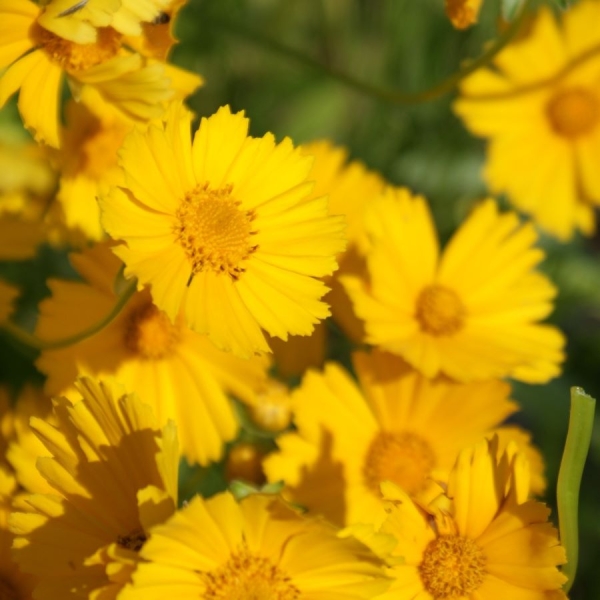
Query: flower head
395,425
114,474
178,372
224,230
261,548
483,541
470,313
103,72
539,107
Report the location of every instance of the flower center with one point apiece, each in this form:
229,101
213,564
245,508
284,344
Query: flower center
439,311
248,577
150,334
452,567
573,112
78,57
133,540
214,233
403,458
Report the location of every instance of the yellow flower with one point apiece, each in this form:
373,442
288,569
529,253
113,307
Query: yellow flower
104,72
114,473
539,107
471,313
463,13
260,548
8,294
180,373
396,425
224,230
88,161
484,542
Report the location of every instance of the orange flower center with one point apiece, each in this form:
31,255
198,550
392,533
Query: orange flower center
214,233
403,458
573,112
248,577
133,540
7,591
150,334
439,311
453,567
78,57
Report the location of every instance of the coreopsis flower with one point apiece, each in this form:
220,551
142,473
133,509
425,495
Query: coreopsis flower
224,230
180,373
484,540
395,425
259,548
470,312
114,474
538,105
8,294
463,13
103,72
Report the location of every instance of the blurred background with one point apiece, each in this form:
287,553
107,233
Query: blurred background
262,56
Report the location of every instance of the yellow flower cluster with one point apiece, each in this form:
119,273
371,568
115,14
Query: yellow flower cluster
191,339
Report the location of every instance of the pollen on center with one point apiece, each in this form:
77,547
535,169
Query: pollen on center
439,311
78,57
149,333
404,458
215,233
452,567
248,577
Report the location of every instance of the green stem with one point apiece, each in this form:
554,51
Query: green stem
579,435
28,339
387,95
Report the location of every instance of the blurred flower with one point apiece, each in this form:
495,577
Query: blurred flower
483,541
260,548
471,313
100,73
539,107
396,425
180,373
463,13
88,165
224,230
114,473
